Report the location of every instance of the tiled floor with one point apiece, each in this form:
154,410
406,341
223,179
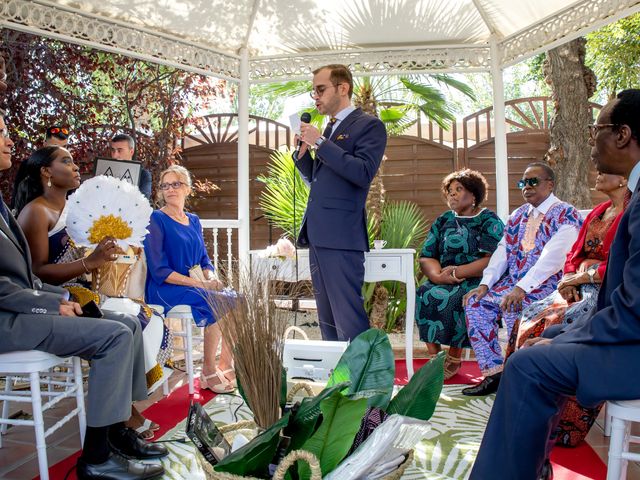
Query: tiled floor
18,460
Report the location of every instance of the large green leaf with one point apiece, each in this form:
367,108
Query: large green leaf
403,225
341,419
369,365
419,397
303,422
254,457
283,185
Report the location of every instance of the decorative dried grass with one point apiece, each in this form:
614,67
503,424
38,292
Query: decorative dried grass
254,328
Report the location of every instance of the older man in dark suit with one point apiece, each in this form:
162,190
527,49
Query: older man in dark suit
347,157
37,316
596,360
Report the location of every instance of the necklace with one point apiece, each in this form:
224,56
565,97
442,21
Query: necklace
181,218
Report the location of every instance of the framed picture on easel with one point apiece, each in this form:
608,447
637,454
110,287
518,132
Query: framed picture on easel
121,169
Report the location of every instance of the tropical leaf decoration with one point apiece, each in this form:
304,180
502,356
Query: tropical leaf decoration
285,195
403,225
254,457
369,365
341,418
305,418
419,397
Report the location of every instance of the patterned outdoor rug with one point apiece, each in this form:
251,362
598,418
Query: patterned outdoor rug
448,451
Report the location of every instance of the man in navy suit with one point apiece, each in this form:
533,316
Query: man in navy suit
596,360
347,157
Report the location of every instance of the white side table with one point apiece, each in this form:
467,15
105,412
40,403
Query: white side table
379,265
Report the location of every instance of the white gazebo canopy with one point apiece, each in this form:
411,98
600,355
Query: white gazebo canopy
250,41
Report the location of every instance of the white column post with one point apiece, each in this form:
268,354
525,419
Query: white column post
499,127
243,163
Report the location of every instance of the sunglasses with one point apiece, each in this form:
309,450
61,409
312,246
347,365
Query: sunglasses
532,182
174,185
56,130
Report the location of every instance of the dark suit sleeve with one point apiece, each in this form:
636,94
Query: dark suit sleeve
304,165
361,166
145,183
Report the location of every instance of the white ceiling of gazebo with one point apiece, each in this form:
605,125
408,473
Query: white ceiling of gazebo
286,38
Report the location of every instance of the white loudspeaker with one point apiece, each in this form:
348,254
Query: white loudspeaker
312,360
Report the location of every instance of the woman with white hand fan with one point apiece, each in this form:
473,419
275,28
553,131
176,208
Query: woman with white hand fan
42,185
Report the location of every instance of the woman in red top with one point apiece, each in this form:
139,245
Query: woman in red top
577,292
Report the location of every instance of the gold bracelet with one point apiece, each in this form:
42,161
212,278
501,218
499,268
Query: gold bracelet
86,270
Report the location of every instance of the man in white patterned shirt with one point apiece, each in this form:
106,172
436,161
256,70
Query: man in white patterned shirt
525,267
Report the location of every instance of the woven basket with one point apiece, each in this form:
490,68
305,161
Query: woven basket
111,278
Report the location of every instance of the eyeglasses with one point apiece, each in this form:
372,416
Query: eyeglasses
532,182
174,185
320,89
594,127
56,130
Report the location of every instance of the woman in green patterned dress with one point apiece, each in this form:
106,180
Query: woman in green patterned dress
455,253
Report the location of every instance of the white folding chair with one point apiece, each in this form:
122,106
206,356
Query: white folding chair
35,366
623,414
184,314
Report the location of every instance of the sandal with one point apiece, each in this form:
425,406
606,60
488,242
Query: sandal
233,382
145,431
451,366
223,385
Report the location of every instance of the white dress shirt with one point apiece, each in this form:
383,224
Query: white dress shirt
341,115
551,259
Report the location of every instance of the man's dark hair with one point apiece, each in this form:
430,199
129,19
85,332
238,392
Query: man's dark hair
472,180
551,175
625,111
339,74
57,131
123,137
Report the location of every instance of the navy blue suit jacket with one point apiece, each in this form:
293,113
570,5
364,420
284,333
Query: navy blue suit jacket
339,179
617,320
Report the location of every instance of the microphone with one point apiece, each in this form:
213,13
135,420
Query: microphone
306,118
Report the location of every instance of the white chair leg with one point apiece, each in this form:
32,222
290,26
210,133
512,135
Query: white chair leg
38,420
82,414
607,422
616,445
188,356
5,406
165,387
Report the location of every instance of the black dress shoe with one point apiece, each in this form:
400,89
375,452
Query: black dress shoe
128,443
546,473
485,387
117,468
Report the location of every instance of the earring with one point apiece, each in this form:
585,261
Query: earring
49,182
621,185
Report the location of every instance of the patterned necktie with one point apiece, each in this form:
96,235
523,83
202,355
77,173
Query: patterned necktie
329,128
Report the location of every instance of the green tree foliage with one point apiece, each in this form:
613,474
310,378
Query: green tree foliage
96,94
613,53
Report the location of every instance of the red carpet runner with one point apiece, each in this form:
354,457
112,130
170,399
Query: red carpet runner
579,463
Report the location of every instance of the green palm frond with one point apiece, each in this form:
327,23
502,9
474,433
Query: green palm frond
449,81
403,225
285,195
288,89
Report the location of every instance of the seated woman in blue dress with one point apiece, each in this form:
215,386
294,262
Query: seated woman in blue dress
173,247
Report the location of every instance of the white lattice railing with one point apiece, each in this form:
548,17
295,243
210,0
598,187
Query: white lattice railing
218,228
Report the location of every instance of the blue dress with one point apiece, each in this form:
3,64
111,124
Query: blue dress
173,247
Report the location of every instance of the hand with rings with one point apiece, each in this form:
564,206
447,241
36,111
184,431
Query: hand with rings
106,251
